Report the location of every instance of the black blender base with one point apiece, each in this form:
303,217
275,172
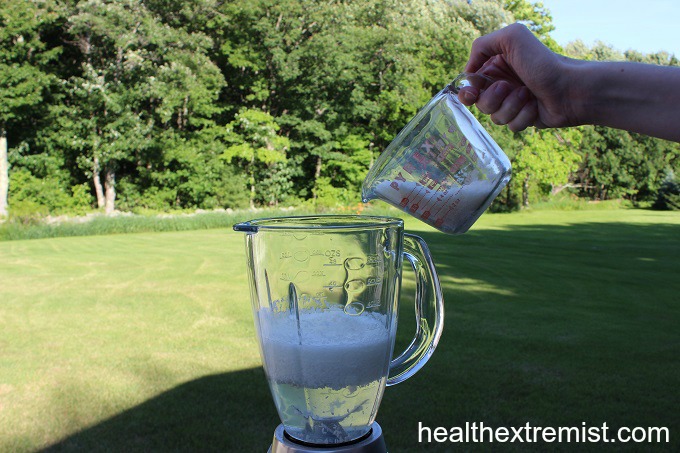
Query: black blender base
374,443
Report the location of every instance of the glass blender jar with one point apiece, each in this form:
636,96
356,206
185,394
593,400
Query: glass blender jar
325,294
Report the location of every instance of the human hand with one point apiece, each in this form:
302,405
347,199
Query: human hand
531,81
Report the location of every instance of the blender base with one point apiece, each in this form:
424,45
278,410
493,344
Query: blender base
374,443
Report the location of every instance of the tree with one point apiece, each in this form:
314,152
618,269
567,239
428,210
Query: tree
256,145
546,159
333,72
536,17
602,51
22,78
137,75
618,164
485,15
533,14
105,121
209,103
578,49
668,197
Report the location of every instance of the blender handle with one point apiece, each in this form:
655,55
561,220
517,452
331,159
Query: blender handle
429,312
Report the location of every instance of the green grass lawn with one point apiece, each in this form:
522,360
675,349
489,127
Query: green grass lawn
144,342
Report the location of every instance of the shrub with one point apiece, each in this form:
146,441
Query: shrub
31,196
668,196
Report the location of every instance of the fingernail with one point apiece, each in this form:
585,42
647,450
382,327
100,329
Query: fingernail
469,96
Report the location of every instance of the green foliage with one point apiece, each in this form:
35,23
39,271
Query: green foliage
617,164
157,105
23,55
258,148
546,159
255,135
28,222
668,196
277,184
137,79
485,15
330,196
534,15
32,195
188,174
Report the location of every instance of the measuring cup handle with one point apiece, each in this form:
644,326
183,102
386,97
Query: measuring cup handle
429,312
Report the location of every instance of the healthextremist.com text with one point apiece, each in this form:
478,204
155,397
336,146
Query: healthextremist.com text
479,433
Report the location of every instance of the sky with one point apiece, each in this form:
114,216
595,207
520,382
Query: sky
647,26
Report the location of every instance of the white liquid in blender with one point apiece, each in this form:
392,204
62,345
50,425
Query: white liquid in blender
327,380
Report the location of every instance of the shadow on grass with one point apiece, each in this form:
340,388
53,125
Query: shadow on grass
547,325
226,412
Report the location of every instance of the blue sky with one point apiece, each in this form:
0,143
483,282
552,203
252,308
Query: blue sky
647,26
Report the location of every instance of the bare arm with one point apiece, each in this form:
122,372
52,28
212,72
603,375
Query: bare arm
632,96
536,87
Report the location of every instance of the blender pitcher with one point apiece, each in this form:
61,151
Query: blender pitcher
443,167
325,294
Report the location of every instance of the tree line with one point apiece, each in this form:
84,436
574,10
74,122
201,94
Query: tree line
159,105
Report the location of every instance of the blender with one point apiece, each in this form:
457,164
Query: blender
325,294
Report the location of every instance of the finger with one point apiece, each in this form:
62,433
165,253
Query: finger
501,42
526,117
511,106
491,100
482,49
468,95
498,68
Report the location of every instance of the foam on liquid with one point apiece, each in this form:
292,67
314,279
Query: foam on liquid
327,378
332,349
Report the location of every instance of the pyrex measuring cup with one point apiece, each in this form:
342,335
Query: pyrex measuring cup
443,167
325,294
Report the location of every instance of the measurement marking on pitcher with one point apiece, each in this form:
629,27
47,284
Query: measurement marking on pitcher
373,281
433,199
354,263
430,203
405,200
412,201
374,304
421,193
332,285
299,277
355,286
354,308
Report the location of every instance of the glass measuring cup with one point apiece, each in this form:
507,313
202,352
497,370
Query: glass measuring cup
443,167
325,293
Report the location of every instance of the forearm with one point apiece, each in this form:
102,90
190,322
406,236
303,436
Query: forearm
635,97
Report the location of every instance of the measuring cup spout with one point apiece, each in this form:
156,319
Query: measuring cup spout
246,227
